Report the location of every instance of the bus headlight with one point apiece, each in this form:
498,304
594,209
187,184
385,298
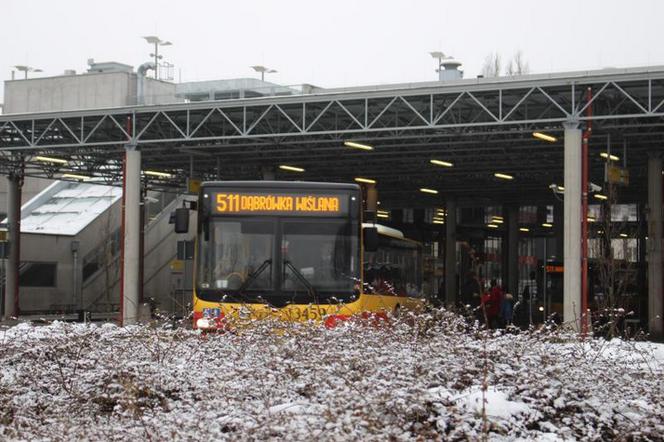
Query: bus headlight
203,323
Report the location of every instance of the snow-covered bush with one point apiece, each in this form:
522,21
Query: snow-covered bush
428,377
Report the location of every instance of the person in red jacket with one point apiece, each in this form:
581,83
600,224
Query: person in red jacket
491,301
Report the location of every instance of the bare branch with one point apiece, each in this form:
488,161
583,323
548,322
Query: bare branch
492,65
517,65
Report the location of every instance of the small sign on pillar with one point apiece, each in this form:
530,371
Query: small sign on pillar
193,185
617,175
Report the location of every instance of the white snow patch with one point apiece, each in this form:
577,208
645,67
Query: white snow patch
497,402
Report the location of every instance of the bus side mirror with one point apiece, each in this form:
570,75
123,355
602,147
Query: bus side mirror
370,239
181,220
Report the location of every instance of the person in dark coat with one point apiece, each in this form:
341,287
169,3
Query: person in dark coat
520,314
471,291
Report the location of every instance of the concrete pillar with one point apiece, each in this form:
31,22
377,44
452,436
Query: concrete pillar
14,240
268,173
512,248
655,296
450,253
572,230
132,233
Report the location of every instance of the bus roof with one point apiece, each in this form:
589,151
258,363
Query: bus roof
262,184
386,231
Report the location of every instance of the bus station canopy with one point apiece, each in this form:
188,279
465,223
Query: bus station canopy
481,126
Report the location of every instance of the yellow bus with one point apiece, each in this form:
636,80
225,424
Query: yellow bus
297,251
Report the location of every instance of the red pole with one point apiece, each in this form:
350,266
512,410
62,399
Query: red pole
19,186
122,228
122,247
584,217
141,248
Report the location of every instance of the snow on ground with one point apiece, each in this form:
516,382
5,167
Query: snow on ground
426,378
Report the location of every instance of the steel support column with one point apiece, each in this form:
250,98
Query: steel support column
450,253
132,232
655,295
572,229
268,173
14,185
512,220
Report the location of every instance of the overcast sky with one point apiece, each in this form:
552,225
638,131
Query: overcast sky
331,43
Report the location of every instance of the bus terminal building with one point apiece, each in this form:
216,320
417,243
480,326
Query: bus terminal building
487,173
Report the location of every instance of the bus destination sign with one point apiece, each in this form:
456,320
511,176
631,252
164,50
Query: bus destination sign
238,203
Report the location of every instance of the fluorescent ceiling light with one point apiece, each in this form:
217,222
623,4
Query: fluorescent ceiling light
75,176
544,137
358,145
503,176
437,221
291,168
383,212
441,163
157,174
432,191
365,180
493,226
608,156
524,229
547,225
599,196
50,160
383,215
623,235
497,221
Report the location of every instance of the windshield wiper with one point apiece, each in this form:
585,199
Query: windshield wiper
302,279
252,276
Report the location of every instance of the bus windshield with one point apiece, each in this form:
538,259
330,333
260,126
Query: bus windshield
318,257
234,250
277,260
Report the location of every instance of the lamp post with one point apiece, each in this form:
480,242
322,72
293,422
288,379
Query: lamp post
26,69
263,70
156,41
440,57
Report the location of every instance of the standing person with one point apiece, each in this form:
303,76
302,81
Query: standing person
471,294
484,310
441,290
496,302
471,291
491,304
507,309
521,311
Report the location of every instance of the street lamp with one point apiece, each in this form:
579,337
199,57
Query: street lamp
156,41
263,70
26,69
439,56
